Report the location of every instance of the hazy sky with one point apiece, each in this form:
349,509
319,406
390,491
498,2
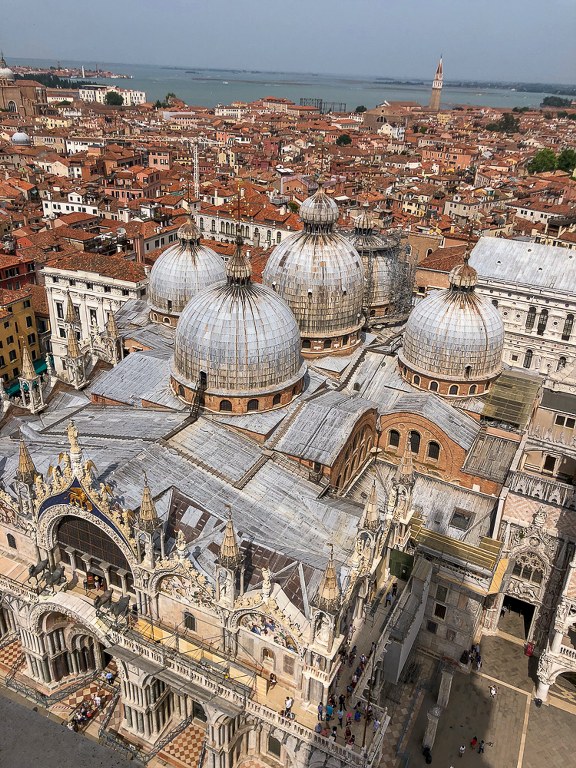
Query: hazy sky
525,40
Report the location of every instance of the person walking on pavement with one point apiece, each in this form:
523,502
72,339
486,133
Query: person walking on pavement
288,705
320,711
481,747
340,717
462,750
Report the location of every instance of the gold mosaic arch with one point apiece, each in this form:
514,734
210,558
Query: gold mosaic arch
45,533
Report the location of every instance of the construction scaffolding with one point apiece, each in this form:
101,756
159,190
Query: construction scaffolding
324,106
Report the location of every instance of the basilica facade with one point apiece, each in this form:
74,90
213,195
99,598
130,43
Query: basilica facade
256,480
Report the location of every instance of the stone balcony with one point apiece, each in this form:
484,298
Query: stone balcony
543,488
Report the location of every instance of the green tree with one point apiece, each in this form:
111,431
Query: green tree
360,109
507,124
543,160
567,160
343,140
293,206
114,99
555,101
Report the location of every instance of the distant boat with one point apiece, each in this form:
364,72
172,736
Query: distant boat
224,82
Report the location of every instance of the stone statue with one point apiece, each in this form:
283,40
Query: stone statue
73,437
266,583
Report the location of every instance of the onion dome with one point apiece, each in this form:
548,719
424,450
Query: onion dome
454,335
20,138
319,274
5,71
387,276
181,272
237,346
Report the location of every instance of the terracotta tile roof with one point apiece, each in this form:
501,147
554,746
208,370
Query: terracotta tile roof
107,266
444,259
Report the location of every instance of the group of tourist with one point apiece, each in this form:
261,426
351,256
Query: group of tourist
85,712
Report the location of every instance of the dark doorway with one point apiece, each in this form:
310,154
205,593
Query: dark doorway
516,617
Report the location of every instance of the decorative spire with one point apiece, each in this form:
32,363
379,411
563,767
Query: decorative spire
26,470
405,472
28,372
328,598
238,269
370,520
73,349
148,516
111,327
70,317
230,556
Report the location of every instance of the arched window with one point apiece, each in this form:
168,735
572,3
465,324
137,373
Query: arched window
530,318
414,441
468,371
12,106
542,322
528,358
327,343
181,391
416,380
11,541
201,223
453,389
568,325
433,450
225,405
473,389
433,386
306,344
253,405
393,438
345,340
561,363
276,399
278,237
268,235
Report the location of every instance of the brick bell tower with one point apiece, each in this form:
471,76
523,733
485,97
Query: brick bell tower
437,88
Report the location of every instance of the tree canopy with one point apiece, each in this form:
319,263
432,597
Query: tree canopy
507,124
360,108
343,140
566,160
555,101
543,160
114,99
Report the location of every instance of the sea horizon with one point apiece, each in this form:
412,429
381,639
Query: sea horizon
206,86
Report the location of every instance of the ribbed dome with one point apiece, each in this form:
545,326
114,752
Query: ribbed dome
182,271
21,139
388,279
455,333
319,273
241,335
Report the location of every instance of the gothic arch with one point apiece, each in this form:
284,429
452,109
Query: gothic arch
236,619
59,604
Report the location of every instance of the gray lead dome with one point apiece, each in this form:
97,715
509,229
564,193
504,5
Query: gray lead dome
455,333
241,336
182,271
319,273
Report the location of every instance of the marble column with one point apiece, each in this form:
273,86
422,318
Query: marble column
433,718
445,686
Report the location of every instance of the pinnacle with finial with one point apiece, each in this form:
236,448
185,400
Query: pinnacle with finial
329,592
371,515
230,556
72,346
26,470
111,327
28,372
148,516
70,311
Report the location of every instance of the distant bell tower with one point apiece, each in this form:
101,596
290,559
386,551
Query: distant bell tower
437,88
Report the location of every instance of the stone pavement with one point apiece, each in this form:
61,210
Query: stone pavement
517,733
